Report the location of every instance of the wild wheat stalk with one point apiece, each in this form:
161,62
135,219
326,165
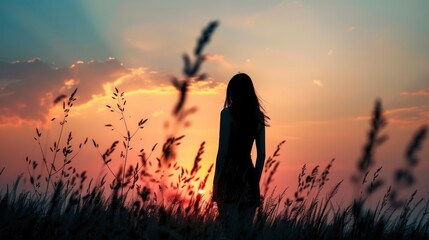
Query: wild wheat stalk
56,149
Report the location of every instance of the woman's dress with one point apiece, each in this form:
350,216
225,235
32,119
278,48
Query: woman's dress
237,182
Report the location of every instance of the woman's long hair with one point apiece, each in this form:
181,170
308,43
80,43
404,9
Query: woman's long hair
241,98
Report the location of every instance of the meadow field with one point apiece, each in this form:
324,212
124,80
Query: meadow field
158,198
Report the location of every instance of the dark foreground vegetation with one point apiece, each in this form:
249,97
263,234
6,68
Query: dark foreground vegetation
157,198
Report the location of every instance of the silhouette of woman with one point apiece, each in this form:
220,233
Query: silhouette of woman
236,181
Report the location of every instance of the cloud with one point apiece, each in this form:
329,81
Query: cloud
330,52
158,113
208,86
218,58
422,92
405,116
351,29
28,89
318,82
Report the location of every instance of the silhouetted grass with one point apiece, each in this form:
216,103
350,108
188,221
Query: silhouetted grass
157,198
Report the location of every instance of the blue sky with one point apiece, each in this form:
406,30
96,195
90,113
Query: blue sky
62,32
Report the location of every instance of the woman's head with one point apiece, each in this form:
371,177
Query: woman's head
242,99
240,92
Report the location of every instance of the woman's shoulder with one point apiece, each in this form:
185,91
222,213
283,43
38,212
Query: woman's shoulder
226,115
225,111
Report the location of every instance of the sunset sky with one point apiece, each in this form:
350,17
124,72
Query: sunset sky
317,67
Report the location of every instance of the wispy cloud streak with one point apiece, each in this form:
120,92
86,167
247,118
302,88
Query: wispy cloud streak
412,116
422,92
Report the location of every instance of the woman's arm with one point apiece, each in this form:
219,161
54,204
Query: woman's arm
260,151
224,134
